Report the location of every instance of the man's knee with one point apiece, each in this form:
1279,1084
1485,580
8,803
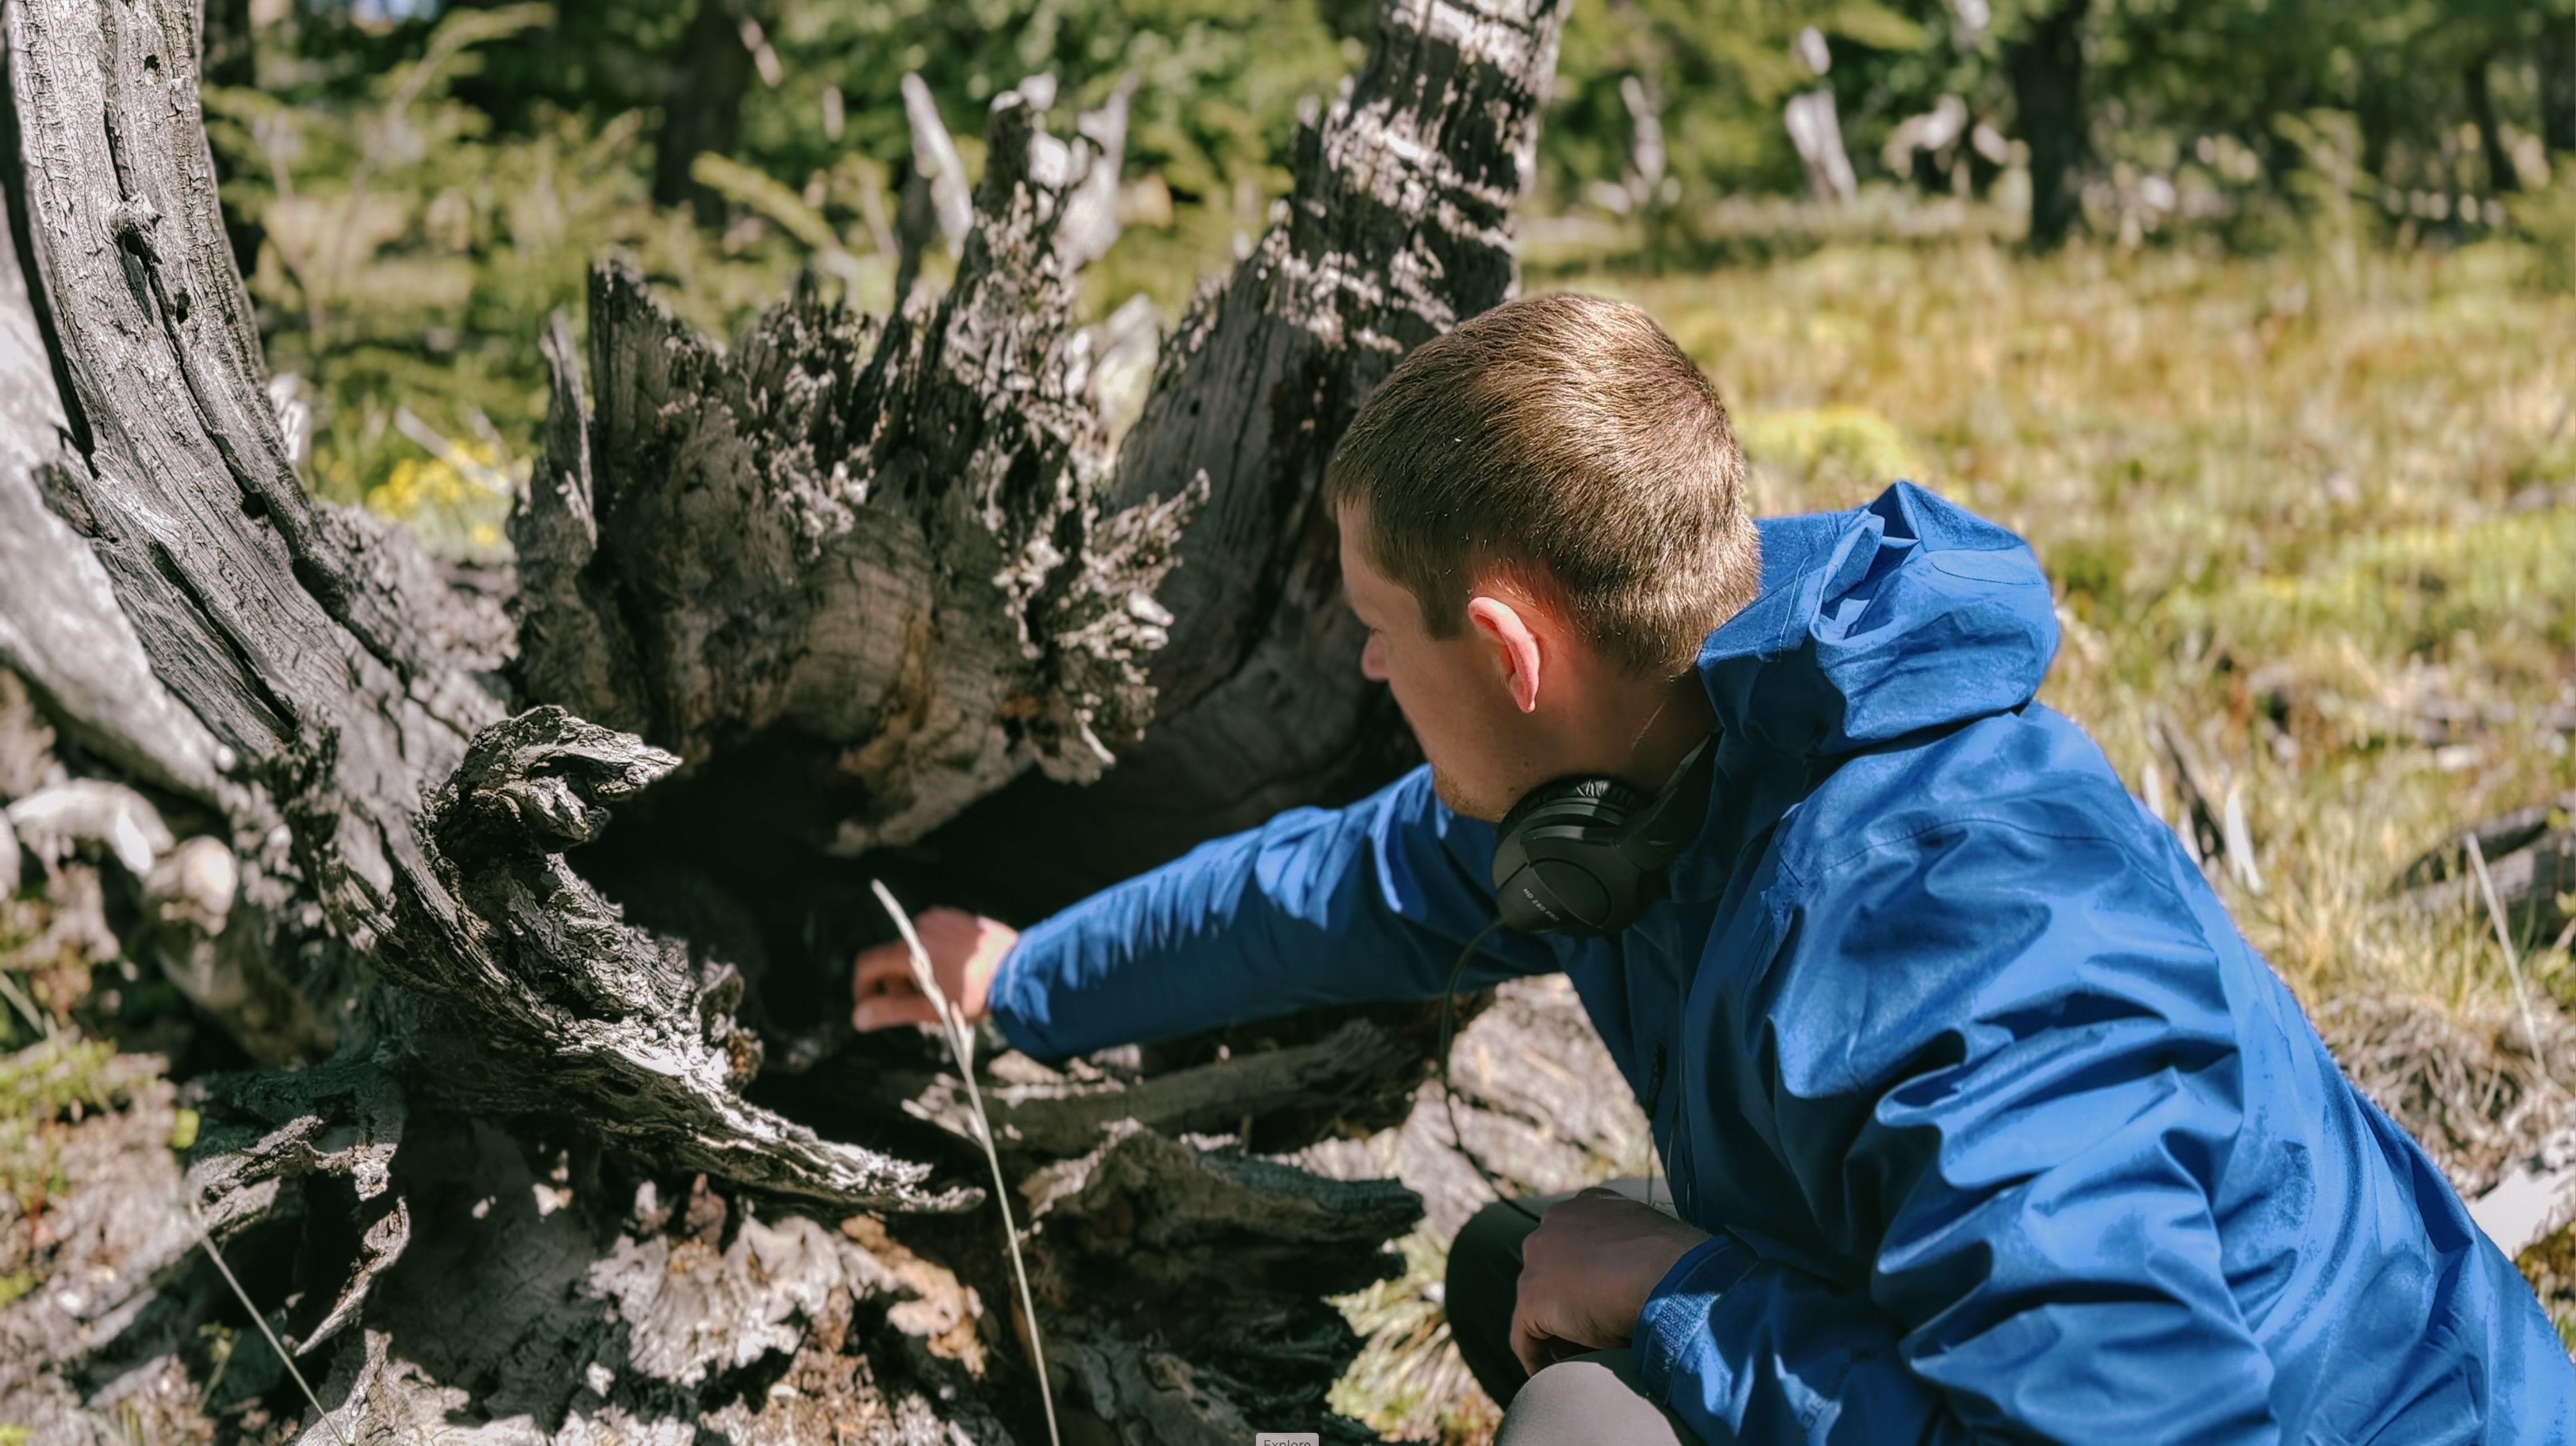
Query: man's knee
1595,1397
1489,1243
1478,1292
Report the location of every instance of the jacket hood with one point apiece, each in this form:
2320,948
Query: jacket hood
1906,614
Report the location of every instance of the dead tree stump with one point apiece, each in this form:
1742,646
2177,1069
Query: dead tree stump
553,1127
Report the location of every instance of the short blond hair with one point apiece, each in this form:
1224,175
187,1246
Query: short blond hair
1569,443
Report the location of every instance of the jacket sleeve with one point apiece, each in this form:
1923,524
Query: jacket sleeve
1317,906
2006,1059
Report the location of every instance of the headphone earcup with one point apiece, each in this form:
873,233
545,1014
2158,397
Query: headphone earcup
1558,867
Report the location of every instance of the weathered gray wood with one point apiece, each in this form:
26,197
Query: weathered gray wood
876,542
900,553
2531,859
1398,228
294,636
217,950
1539,1101
1090,224
573,644
188,502
265,1140
1052,1115
624,1029
551,1304
1185,1285
60,628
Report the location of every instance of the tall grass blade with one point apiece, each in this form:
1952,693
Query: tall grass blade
207,1239
40,1022
962,1046
2512,959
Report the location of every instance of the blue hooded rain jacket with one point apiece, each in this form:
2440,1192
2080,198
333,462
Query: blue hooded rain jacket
2000,1129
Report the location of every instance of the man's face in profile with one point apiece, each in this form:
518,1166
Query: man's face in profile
1450,689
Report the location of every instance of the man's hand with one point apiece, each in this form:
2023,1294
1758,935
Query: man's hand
964,951
1586,1272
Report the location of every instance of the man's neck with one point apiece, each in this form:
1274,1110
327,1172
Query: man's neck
1648,725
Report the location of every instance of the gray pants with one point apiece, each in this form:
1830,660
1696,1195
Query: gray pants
1589,1398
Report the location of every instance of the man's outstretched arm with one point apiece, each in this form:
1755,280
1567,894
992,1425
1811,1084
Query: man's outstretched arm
1317,906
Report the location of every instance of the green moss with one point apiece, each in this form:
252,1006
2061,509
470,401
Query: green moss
39,1084
47,1078
2409,591
1825,445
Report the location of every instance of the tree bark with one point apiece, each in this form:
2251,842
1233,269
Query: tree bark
890,564
1029,625
2557,50
295,634
1398,228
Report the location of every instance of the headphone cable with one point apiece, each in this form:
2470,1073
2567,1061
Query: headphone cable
1448,1095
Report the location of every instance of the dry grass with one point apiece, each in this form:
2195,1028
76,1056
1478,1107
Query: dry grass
2318,510
1409,1382
2322,515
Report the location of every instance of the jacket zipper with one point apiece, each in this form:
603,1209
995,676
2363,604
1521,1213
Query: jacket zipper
1654,1092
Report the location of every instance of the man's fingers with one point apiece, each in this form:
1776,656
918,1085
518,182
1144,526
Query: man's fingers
941,918
885,961
963,950
1525,1347
1538,1352
1535,1347
879,1011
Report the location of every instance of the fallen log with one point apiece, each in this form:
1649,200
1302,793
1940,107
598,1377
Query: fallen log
2531,859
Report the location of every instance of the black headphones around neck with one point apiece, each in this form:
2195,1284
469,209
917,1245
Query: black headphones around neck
1584,856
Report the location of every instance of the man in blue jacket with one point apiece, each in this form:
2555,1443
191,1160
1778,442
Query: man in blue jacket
1982,1122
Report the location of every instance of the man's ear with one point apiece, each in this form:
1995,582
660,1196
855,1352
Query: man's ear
1515,646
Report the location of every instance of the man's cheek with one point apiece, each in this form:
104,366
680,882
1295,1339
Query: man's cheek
1401,685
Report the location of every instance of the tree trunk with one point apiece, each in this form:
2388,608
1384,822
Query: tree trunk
2557,50
554,1159
703,110
2502,179
2046,68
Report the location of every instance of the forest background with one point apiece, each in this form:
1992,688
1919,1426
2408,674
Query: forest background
2258,317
